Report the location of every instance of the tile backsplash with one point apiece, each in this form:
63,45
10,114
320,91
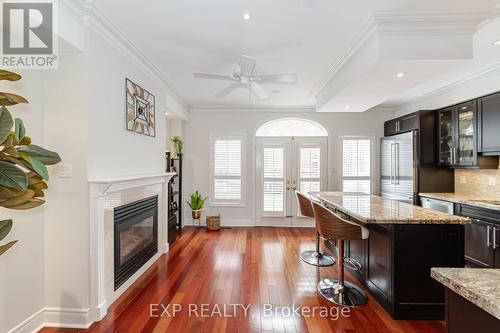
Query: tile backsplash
482,183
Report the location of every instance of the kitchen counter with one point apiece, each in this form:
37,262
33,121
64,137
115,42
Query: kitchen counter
478,285
405,241
371,209
465,199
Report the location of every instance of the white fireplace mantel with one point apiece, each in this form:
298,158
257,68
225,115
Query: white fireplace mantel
101,190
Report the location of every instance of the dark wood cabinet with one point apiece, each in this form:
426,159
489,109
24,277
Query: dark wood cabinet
402,124
463,316
482,237
457,135
489,125
478,250
379,262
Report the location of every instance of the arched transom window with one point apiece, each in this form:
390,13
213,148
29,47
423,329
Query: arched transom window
291,127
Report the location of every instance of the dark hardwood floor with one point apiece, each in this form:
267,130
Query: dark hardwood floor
248,266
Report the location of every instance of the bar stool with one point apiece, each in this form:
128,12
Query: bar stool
334,227
313,257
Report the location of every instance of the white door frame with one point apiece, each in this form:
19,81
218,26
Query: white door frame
289,217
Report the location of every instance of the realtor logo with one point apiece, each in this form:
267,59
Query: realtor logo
28,39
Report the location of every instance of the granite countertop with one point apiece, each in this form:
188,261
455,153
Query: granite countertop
465,199
477,285
371,209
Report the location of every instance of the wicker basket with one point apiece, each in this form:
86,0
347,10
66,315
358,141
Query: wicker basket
213,222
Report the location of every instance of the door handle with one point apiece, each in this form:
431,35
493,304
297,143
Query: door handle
396,168
392,164
488,243
495,238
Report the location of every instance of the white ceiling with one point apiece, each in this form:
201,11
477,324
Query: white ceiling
305,37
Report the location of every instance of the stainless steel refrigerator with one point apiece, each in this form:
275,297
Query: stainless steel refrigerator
409,167
399,167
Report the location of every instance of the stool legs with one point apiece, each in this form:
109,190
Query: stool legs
316,258
339,291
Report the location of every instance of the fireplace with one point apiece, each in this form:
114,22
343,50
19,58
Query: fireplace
135,237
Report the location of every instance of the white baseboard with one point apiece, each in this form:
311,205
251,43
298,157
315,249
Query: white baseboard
54,317
251,223
224,223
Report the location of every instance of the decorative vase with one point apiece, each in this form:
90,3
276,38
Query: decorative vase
196,214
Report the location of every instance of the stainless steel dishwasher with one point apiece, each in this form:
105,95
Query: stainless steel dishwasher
439,205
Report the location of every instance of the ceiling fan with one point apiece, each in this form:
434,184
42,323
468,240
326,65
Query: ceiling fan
246,76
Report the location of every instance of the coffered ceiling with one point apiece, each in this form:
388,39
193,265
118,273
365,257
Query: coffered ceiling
346,54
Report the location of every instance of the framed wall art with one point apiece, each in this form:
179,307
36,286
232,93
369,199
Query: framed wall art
140,109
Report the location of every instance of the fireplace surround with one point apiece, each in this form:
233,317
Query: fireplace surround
106,194
135,237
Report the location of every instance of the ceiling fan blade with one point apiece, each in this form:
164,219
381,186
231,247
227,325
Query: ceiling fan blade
224,92
278,78
213,76
257,90
247,65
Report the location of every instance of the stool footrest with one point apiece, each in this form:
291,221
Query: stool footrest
317,259
346,294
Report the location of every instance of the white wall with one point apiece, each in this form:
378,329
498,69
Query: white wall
66,227
113,151
201,124
22,267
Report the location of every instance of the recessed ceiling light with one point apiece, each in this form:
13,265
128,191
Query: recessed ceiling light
246,16
400,75
166,113
347,107
497,42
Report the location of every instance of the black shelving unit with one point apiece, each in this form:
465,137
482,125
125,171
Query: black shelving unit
174,200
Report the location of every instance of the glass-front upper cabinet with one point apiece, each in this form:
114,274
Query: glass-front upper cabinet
466,149
446,141
457,135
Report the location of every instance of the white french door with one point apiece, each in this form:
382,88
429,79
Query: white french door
284,165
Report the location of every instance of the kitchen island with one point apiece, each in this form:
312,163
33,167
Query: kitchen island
405,242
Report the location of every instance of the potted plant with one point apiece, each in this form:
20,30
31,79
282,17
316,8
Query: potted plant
196,204
177,142
23,171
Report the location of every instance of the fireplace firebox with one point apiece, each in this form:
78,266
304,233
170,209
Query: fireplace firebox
135,237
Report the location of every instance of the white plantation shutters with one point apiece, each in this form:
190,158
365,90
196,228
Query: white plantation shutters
310,169
227,170
274,179
356,165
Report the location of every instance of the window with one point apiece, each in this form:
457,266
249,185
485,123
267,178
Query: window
226,170
356,165
310,169
291,127
274,182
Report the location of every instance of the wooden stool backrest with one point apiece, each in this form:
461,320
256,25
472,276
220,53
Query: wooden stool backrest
305,205
333,226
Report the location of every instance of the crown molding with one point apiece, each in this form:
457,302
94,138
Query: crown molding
407,22
242,108
95,19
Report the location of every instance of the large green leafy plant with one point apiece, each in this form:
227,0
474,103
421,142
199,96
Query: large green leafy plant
23,165
196,201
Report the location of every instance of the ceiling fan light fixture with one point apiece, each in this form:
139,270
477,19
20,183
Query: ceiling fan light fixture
247,16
